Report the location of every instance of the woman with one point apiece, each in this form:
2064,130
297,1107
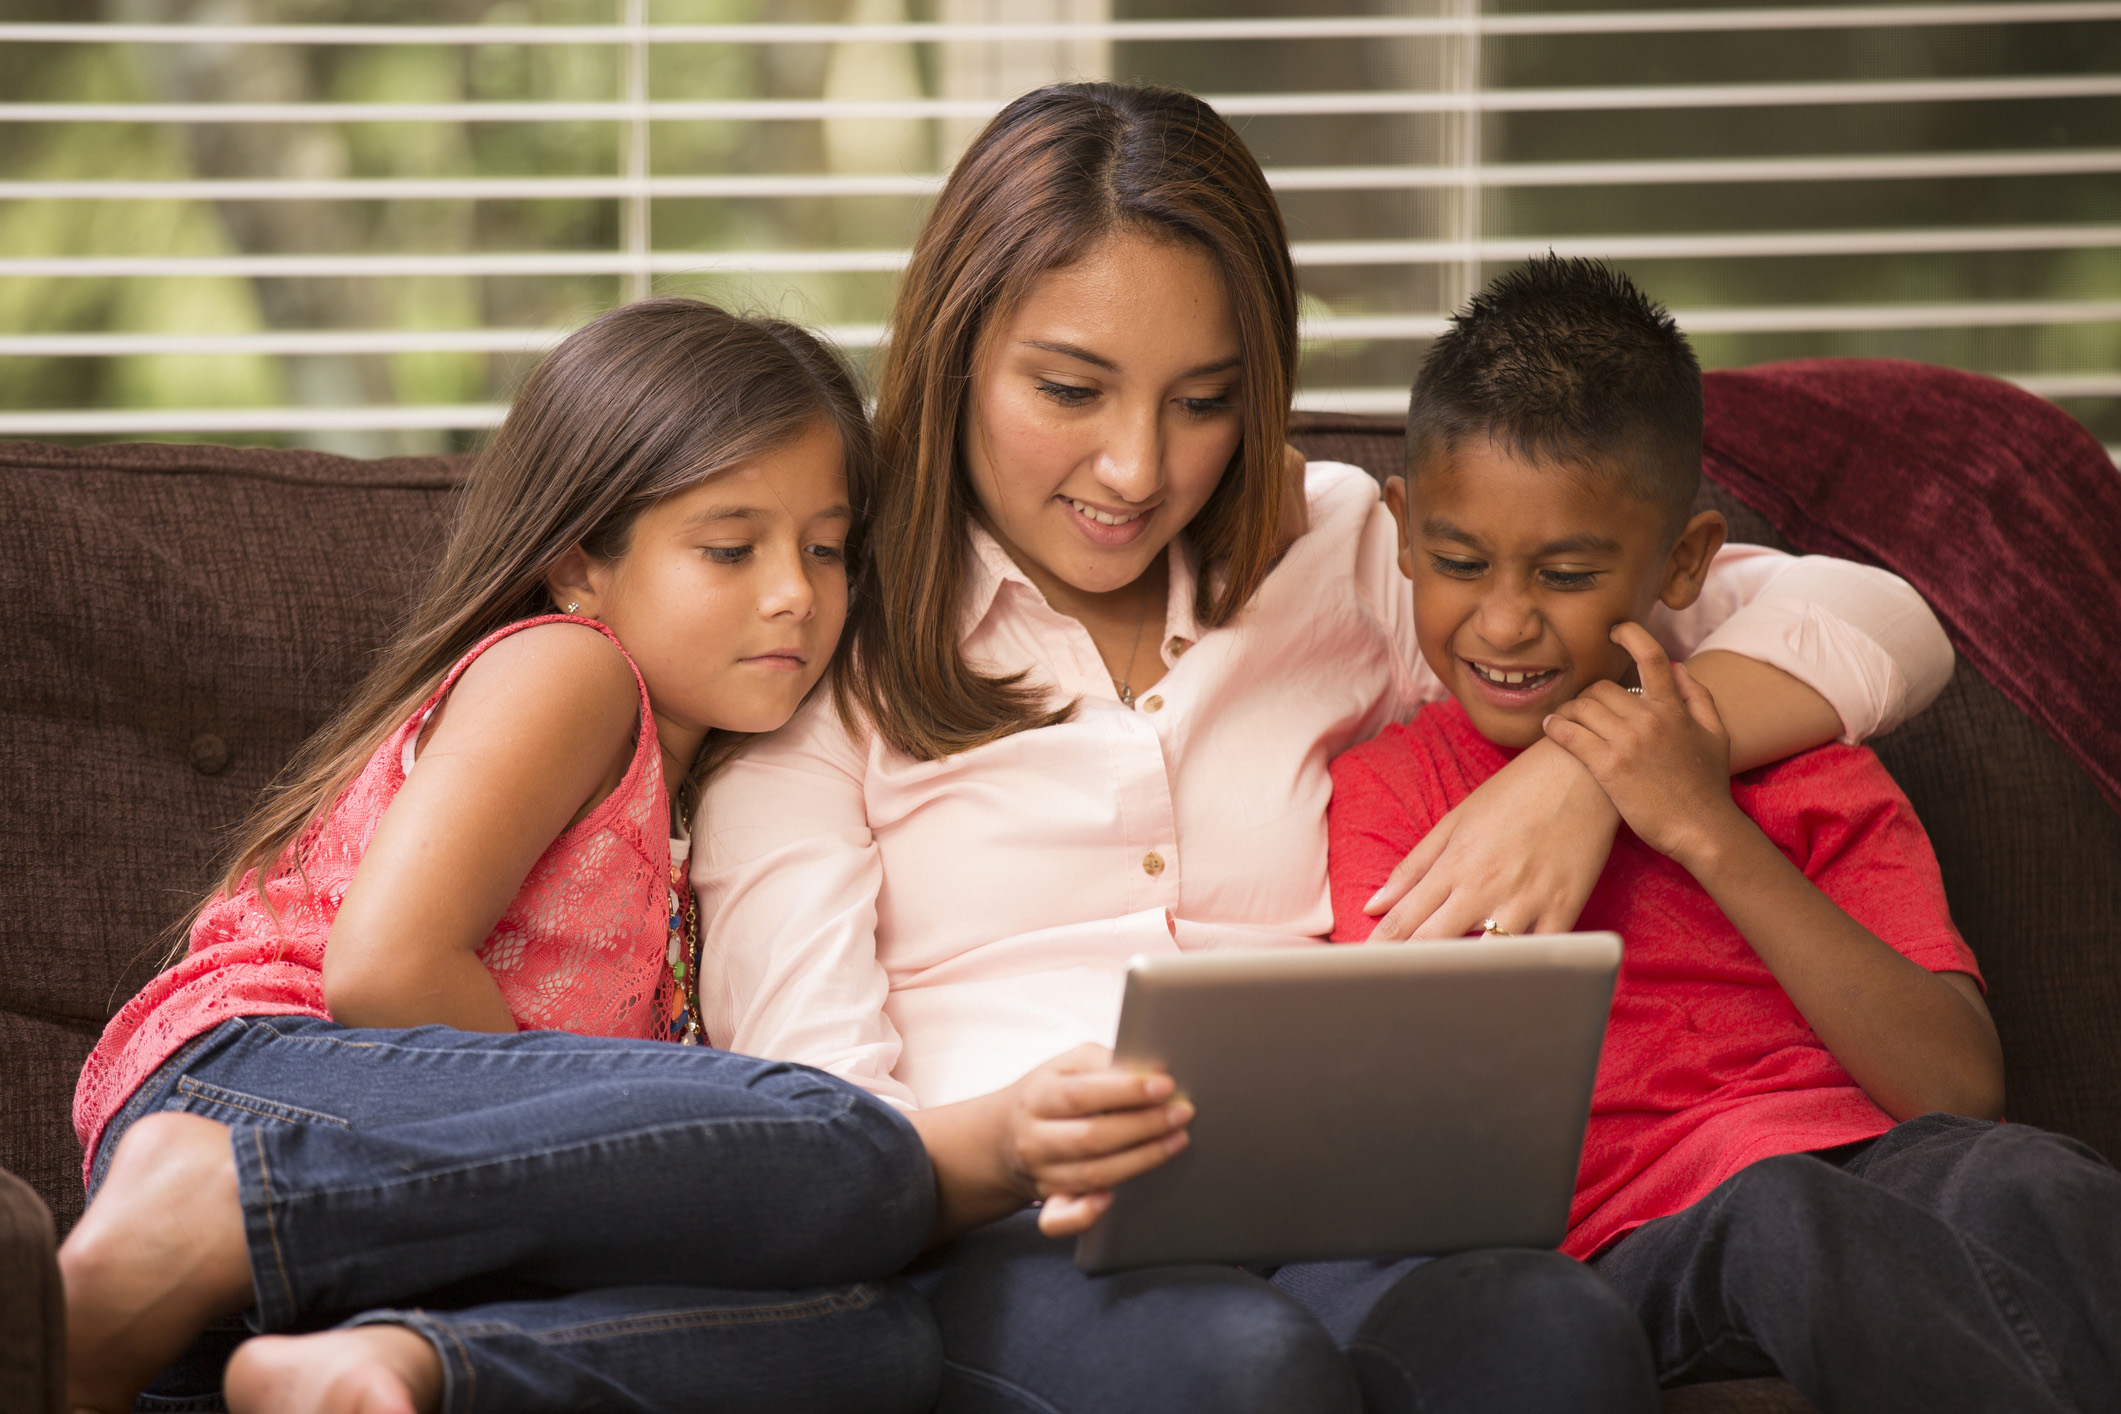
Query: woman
1094,691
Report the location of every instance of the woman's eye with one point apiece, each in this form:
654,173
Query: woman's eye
728,554
1206,407
1457,569
1569,579
1067,394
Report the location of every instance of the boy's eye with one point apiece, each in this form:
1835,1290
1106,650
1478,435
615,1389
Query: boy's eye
1569,579
1066,394
728,554
1458,569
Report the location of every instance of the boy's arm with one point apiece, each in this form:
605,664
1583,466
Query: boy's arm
1915,1040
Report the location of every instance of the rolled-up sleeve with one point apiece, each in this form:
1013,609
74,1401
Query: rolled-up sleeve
1862,638
788,875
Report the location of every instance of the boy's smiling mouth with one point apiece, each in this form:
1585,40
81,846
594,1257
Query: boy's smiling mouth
1510,689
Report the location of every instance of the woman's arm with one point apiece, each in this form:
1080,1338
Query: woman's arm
537,728
1802,650
788,875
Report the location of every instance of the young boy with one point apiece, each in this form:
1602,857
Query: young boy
1791,1164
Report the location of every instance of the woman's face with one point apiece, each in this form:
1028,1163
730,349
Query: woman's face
1104,412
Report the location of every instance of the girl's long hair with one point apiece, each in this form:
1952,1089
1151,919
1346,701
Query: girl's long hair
646,401
1055,171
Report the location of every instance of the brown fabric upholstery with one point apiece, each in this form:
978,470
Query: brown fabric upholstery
180,618
32,1305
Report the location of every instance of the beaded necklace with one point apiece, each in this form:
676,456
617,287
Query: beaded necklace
683,955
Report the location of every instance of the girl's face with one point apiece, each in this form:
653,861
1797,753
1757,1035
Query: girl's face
731,595
1104,413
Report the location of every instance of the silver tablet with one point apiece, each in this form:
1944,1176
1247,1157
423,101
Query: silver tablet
1386,1099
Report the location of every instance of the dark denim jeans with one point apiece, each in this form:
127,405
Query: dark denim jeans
572,1222
1949,1263
1025,1332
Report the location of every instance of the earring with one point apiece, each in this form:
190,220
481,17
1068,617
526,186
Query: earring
572,605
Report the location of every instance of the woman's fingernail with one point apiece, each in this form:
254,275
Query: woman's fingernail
1177,1140
1372,905
1180,1113
1159,1086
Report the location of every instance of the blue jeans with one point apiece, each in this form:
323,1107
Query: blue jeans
572,1222
1949,1263
1025,1332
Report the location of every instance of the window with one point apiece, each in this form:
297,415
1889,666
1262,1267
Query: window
315,228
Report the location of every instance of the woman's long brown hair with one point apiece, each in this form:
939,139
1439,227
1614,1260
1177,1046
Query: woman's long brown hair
1055,171
644,402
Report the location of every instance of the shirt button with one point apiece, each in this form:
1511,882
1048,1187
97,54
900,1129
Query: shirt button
1152,704
1152,864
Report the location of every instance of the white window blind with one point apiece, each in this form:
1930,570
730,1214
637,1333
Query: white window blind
355,235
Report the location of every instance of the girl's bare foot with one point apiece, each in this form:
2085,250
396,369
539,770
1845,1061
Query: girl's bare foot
159,1254
365,1370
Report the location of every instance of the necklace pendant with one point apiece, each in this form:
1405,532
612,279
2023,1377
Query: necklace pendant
1126,695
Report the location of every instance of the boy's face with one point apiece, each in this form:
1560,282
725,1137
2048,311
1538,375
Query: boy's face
1520,572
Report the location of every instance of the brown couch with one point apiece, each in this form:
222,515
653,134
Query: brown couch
178,618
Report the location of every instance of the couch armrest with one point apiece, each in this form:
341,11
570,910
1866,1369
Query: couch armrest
32,1304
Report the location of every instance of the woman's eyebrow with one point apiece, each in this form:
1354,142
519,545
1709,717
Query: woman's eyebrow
1074,351
726,512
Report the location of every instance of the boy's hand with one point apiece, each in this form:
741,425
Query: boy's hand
1076,1127
1662,756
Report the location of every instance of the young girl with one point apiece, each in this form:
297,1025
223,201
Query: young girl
413,1090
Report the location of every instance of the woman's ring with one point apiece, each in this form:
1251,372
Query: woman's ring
1489,929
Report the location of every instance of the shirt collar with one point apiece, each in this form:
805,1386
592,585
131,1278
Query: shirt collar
991,568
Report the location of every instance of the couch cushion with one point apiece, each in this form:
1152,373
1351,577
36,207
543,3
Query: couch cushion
180,619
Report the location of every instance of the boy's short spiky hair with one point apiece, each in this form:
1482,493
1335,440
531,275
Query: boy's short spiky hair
1566,362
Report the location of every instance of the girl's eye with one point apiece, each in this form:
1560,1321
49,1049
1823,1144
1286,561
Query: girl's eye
1570,579
830,554
1457,569
1066,394
729,554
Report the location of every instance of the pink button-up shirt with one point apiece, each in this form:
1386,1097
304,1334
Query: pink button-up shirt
933,929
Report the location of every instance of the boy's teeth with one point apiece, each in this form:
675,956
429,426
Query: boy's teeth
1101,517
1507,679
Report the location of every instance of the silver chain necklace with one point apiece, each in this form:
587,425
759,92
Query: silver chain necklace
1120,684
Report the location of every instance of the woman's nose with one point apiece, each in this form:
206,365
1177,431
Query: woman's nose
1131,462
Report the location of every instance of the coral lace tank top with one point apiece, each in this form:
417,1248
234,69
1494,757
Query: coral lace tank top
580,948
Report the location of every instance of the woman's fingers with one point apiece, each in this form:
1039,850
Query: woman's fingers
1056,1142
1094,1092
1109,1170
1411,870
1066,1214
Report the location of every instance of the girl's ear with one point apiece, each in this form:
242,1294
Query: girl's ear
572,583
1686,568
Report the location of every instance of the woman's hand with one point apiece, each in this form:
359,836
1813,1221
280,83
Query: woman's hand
1662,757
1067,1132
1525,849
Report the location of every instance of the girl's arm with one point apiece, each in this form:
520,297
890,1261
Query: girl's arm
1799,650
1917,1041
536,730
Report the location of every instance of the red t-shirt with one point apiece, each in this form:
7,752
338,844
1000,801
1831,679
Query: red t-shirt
1708,1066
